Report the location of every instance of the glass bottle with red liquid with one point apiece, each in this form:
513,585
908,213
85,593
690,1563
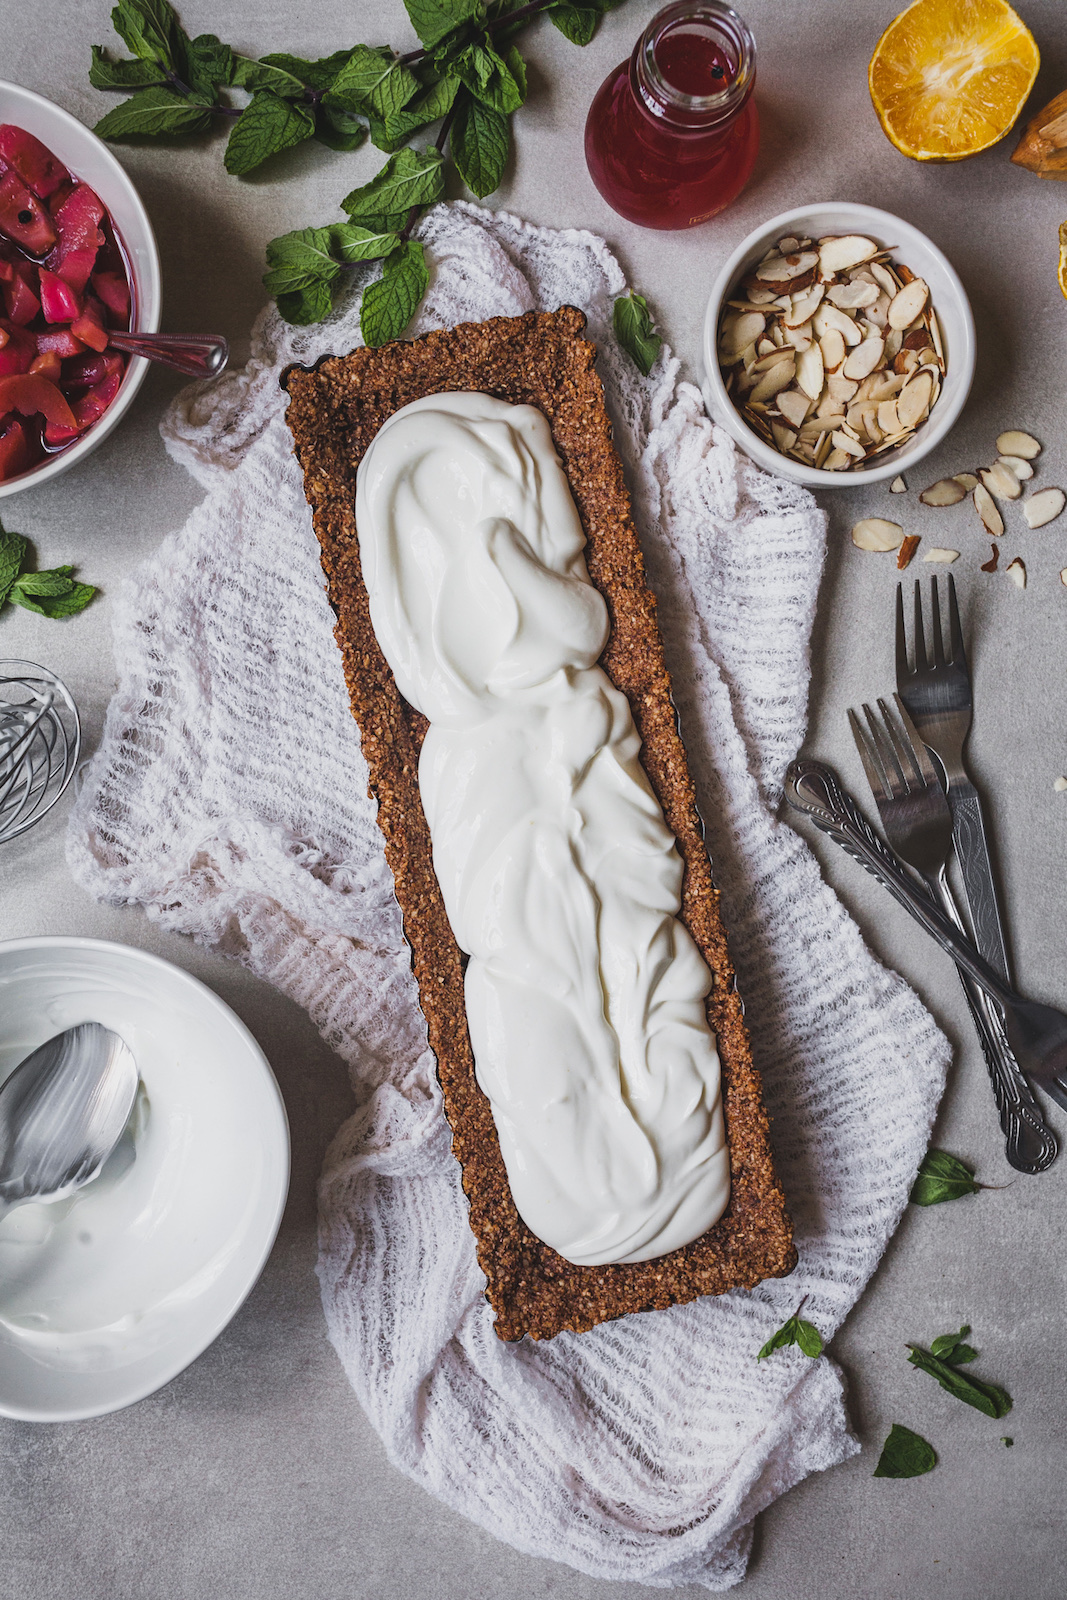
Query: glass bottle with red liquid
672,134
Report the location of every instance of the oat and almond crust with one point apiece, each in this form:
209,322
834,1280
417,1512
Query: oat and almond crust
334,412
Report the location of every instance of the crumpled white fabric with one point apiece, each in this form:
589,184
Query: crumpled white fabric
228,797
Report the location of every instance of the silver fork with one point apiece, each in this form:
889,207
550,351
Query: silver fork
937,694
918,824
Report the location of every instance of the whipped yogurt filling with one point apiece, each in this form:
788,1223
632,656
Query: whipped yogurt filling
562,882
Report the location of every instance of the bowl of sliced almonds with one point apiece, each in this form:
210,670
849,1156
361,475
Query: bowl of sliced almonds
839,345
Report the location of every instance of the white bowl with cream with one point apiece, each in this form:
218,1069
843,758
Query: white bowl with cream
947,296
106,1296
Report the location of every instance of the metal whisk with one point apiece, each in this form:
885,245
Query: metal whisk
40,738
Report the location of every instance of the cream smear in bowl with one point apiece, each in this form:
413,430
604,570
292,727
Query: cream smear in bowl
107,1295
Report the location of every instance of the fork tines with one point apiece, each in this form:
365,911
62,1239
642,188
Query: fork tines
956,652
894,757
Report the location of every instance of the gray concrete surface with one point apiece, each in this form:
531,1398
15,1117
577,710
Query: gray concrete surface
254,1474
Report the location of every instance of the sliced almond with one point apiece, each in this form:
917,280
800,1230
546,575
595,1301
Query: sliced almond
986,509
765,347
1043,507
888,420
945,492
850,296
842,441
893,341
779,377
907,550
863,360
1014,443
761,296
783,437
999,481
848,250
794,406
968,480
737,336
1017,464
876,533
884,278
829,316
836,460
823,450
780,269
914,400
833,350
770,358
804,305
907,303
898,486
810,372
935,335
787,245
991,564
877,315
906,362
1060,784
936,553
843,390
1063,576
800,338
1016,571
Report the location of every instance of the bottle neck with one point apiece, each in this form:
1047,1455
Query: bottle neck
694,66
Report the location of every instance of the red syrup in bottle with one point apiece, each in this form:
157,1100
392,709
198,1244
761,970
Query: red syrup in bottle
672,134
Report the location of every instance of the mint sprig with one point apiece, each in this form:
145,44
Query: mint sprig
467,76
943,1361
51,593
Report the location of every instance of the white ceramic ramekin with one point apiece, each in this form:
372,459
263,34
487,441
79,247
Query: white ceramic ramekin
947,296
90,159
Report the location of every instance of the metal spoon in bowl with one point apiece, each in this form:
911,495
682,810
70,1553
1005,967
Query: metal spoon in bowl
197,355
62,1112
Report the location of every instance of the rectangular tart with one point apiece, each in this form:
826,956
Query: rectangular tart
334,412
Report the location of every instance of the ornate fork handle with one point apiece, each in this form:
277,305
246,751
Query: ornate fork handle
813,788
972,852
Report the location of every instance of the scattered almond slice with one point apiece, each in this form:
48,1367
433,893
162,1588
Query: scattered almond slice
986,509
1060,785
999,481
1017,464
991,564
898,486
1043,507
908,547
876,533
1014,443
1016,571
945,492
968,479
1063,576
848,250
935,553
907,304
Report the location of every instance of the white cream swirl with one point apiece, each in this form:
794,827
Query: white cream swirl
585,993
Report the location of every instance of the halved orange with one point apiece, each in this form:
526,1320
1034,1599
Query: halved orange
1062,274
949,77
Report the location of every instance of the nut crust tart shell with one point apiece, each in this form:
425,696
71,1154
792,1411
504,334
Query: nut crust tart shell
335,410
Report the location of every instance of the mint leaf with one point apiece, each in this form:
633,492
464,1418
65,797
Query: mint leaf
255,75
211,63
153,114
373,81
389,305
49,583
299,260
430,106
409,178
989,1398
12,555
794,1331
315,74
267,125
339,130
307,305
105,74
577,23
905,1455
479,144
355,243
489,78
633,329
64,605
433,19
942,1177
150,28
950,1347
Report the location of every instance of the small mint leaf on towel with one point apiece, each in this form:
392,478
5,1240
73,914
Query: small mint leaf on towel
794,1331
942,1177
632,322
905,1455
389,305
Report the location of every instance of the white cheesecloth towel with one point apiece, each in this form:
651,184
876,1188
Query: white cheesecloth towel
228,797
